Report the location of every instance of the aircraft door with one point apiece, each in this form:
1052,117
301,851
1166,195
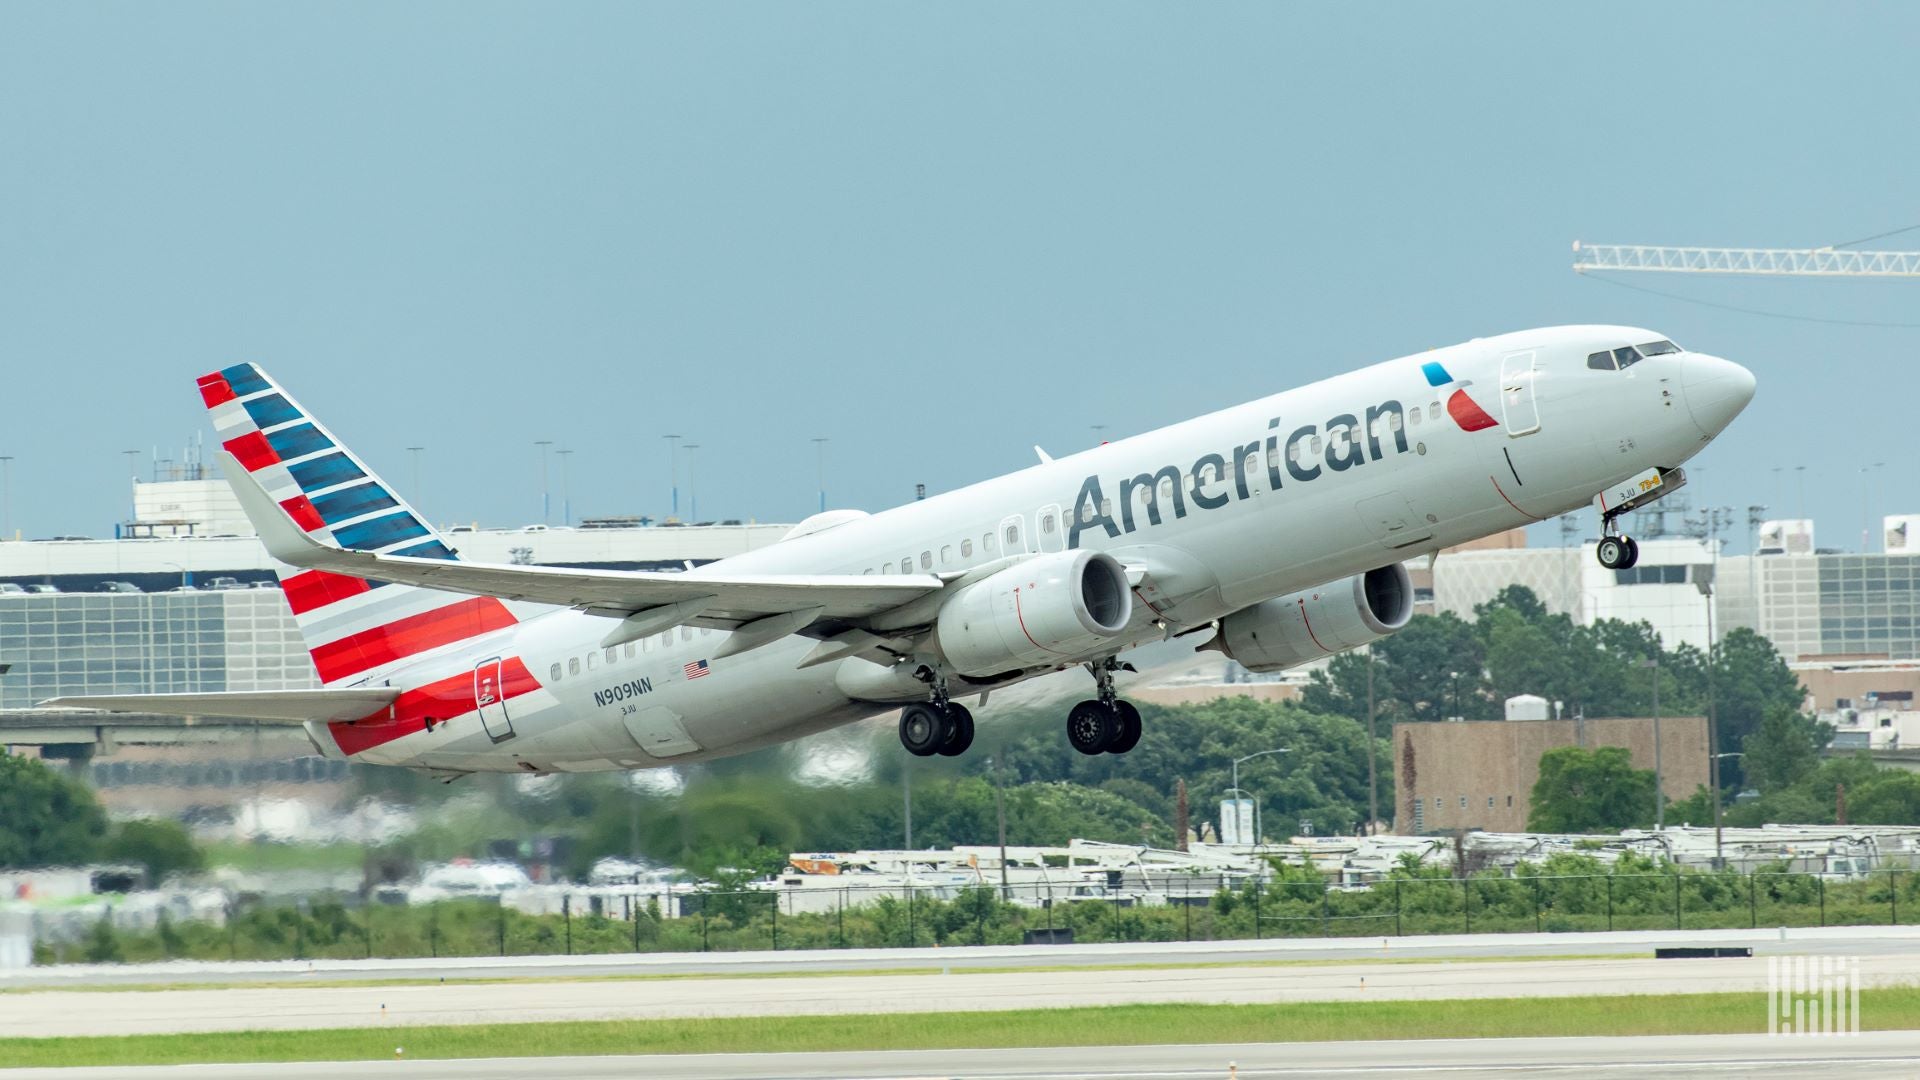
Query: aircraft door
1053,531
490,698
1517,404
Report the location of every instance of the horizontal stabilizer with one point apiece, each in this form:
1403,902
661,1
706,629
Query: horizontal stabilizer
266,706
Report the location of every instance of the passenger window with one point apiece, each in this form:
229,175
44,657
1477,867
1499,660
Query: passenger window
1413,416
946,554
1106,509
591,658
612,655
573,665
1433,410
646,645
906,564
1046,524
554,675
1600,361
966,549
686,633
1315,446
926,560
986,543
630,650
1273,456
1013,537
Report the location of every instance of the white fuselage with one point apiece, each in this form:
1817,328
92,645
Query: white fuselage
1248,503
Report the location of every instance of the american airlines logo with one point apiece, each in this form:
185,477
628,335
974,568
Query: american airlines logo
1211,482
632,688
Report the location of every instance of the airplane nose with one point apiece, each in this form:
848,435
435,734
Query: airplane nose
1716,390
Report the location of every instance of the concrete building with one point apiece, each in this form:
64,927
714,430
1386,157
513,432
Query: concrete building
1479,774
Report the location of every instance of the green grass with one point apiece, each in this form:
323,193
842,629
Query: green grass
1666,1014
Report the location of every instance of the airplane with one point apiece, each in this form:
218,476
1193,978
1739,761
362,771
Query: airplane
1279,528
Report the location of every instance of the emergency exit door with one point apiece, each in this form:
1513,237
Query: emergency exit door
1518,408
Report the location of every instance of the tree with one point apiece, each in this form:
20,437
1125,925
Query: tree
46,817
163,847
1749,679
1595,790
1784,749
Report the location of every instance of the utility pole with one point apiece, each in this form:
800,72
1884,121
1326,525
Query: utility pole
673,470
1373,785
566,489
1000,811
820,456
906,788
1659,777
546,498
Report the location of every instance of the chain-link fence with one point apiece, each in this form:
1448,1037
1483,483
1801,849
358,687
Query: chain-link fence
856,916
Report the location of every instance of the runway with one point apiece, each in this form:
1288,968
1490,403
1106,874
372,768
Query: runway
43,1013
1837,940
1872,1054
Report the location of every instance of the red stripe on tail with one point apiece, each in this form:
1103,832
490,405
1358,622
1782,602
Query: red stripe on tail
253,450
317,589
303,514
442,700
410,636
214,390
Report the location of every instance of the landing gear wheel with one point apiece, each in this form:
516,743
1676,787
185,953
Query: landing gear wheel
922,730
959,731
1126,732
1091,727
1633,553
1616,552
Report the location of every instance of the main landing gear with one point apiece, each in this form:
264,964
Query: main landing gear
1106,725
936,727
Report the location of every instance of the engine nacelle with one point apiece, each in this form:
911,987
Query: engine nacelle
1050,609
1302,627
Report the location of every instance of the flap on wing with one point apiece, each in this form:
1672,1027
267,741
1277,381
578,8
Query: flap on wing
612,592
266,706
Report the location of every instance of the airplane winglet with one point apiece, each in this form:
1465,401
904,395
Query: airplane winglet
284,540
1045,458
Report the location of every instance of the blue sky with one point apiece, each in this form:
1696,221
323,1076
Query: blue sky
934,235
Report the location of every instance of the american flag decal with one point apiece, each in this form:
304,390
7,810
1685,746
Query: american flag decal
695,669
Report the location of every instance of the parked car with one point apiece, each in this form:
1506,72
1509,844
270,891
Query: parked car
119,586
39,589
8,588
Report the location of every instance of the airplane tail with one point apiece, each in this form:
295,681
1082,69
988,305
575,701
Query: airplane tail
354,628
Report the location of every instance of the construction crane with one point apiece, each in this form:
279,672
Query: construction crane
1772,262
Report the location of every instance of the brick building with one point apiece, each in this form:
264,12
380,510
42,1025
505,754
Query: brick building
1479,774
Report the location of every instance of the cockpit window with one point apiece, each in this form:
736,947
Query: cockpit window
1626,357
1600,361
1658,348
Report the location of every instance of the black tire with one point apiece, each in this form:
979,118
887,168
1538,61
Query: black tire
959,731
1126,733
1612,552
1633,553
922,730
1090,727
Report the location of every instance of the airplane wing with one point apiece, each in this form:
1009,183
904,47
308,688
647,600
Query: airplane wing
266,706
736,599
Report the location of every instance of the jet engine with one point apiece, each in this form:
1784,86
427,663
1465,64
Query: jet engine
1050,609
1292,630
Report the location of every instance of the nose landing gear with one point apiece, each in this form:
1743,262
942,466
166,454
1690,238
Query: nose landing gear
1617,552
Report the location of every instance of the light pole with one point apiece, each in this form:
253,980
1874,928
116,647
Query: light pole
6,497
546,499
413,459
1373,785
1243,794
673,470
1719,860
566,489
693,487
820,453
1659,777
133,481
